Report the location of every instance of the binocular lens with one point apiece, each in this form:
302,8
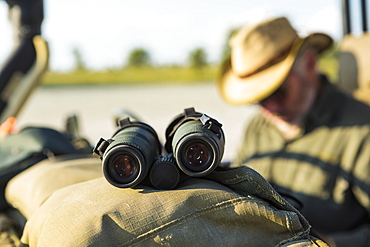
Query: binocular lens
124,166
197,154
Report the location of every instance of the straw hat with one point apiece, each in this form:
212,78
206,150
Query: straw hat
261,58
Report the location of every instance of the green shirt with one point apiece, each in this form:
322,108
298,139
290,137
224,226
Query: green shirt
327,167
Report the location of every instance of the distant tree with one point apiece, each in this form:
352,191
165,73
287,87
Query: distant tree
226,49
79,62
198,58
139,57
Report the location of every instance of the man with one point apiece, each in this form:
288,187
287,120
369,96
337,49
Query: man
309,140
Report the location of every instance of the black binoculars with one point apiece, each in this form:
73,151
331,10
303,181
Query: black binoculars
194,148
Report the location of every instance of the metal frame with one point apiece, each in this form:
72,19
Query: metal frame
346,16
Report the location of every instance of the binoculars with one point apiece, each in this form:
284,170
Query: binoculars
194,148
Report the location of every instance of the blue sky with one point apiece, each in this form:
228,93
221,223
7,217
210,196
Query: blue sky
106,31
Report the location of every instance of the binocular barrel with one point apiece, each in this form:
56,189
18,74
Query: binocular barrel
129,154
197,149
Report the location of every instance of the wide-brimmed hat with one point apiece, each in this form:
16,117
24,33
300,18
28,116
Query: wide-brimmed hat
261,58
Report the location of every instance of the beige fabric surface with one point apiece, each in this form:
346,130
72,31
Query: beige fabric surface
68,203
199,212
29,189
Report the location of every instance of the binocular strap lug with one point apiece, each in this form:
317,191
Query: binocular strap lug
211,124
100,147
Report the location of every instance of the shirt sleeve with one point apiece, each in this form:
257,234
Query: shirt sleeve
248,145
359,236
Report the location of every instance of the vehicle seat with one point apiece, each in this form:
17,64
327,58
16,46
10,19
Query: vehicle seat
354,63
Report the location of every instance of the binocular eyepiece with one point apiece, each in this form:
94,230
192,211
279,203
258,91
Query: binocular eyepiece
129,154
196,141
194,145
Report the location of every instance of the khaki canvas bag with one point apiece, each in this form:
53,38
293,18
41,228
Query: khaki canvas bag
228,208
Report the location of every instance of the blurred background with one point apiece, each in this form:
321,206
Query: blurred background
153,58
105,32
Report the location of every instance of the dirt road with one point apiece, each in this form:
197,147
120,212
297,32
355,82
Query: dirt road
156,105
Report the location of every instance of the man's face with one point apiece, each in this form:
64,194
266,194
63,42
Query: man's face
290,102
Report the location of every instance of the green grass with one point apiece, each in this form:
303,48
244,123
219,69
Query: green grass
133,76
156,75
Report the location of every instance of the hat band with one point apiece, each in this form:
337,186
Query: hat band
276,59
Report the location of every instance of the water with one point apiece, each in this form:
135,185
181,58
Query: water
156,105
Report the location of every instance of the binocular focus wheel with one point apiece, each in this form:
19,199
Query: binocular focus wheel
164,174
